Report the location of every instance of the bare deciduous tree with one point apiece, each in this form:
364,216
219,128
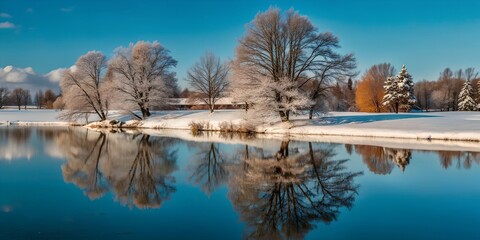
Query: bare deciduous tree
4,92
17,97
26,98
283,50
143,76
39,99
335,67
49,98
209,77
424,93
82,87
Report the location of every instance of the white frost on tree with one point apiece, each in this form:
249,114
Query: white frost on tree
142,77
399,91
83,87
465,98
268,95
280,53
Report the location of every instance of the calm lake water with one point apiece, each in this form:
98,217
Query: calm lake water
74,183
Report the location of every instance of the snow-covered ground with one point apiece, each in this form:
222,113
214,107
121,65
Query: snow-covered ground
427,126
30,117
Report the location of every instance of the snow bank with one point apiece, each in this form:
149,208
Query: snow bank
31,117
463,126
453,126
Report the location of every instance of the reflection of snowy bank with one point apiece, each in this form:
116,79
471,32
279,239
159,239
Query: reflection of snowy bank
268,139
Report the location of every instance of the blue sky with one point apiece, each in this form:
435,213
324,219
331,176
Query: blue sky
427,36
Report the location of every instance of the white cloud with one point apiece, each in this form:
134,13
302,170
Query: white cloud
14,77
6,24
57,74
5,15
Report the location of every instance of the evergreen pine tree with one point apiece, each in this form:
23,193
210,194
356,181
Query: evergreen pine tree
390,98
465,99
406,86
399,91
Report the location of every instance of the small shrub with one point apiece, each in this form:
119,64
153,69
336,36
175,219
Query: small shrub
196,127
227,127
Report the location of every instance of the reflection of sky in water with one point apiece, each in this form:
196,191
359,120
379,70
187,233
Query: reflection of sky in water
424,201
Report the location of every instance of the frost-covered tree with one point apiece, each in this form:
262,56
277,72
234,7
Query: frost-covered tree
399,91
465,98
83,87
142,76
286,51
267,95
4,92
209,77
58,103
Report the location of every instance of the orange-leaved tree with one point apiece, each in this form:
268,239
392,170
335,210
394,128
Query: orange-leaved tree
369,94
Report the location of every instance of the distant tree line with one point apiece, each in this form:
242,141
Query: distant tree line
21,98
452,91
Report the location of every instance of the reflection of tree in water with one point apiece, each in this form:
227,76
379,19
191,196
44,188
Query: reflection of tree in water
401,157
209,167
459,159
14,143
281,196
381,160
148,181
18,135
137,168
84,152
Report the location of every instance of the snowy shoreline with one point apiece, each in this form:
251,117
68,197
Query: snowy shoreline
445,126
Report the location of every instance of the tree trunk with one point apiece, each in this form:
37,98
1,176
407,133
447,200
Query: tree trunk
310,113
145,112
19,107
284,116
212,108
283,152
